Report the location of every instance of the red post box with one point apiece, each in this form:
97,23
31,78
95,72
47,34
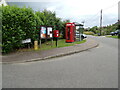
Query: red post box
56,33
70,32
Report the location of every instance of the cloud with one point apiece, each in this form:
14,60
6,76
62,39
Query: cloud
32,0
80,10
85,10
119,10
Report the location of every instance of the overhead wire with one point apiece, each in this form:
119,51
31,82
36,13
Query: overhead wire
98,13
92,17
105,13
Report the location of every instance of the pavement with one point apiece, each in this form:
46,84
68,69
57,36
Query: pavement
22,57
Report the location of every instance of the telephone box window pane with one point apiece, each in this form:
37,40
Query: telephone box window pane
68,33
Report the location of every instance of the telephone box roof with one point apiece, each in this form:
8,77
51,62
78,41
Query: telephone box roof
77,24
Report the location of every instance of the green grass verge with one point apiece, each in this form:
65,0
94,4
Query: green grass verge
113,37
49,45
61,43
88,33
95,35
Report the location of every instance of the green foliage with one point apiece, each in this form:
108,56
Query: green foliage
108,29
63,28
117,37
20,23
49,19
94,29
105,30
17,25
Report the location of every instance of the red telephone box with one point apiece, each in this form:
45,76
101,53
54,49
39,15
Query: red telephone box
70,32
56,33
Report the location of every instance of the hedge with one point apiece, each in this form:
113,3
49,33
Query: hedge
17,25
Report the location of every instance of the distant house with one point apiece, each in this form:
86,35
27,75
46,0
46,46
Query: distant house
3,2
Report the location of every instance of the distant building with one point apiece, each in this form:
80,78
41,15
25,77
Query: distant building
3,2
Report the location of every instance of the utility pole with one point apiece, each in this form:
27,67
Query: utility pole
83,22
100,22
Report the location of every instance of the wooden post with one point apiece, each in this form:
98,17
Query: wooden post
52,42
56,42
40,43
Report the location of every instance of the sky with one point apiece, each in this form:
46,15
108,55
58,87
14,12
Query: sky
79,10
119,11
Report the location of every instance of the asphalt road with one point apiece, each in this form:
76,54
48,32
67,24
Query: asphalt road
94,68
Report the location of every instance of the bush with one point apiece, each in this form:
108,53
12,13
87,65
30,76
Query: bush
49,19
20,23
17,25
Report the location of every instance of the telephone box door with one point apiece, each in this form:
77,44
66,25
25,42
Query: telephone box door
70,32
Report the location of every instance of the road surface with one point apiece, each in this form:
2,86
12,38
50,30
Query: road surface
94,68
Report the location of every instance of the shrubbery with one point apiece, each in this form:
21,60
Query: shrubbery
105,30
18,24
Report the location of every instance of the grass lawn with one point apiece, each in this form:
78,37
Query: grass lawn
113,37
61,43
95,35
49,45
88,33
